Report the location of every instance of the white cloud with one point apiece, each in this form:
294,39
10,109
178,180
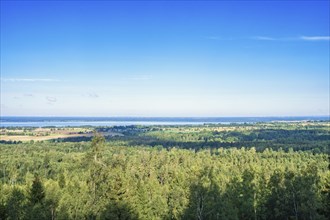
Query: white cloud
90,95
28,80
51,99
304,38
93,95
315,38
28,95
264,38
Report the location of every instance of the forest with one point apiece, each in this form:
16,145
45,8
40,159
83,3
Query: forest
210,171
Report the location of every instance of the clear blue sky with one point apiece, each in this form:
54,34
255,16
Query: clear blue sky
189,58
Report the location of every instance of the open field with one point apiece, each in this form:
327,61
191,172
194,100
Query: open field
43,134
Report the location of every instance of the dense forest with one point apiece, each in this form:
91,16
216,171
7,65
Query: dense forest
304,136
238,171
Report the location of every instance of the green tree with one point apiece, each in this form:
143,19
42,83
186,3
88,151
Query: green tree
16,205
37,192
61,181
325,196
98,143
98,177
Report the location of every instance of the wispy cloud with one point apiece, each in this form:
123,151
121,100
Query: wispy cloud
93,95
51,99
315,38
28,95
90,95
28,80
301,38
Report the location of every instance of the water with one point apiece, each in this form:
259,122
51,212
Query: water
6,121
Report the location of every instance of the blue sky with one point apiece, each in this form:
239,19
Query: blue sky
188,58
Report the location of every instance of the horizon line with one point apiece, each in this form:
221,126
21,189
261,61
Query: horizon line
275,116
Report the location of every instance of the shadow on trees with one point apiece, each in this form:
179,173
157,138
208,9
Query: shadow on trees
287,195
205,203
300,139
20,206
209,201
258,145
118,211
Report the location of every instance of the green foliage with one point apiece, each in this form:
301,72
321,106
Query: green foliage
97,146
325,196
16,205
118,211
61,180
120,179
37,192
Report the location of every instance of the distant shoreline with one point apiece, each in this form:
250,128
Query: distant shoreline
56,121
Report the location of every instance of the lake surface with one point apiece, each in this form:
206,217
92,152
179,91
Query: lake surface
6,121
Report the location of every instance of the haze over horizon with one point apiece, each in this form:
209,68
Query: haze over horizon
165,59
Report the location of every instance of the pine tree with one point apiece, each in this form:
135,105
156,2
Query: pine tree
15,205
37,192
61,180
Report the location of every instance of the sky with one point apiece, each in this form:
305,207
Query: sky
165,58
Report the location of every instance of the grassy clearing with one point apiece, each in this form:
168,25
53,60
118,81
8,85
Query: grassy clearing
43,134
